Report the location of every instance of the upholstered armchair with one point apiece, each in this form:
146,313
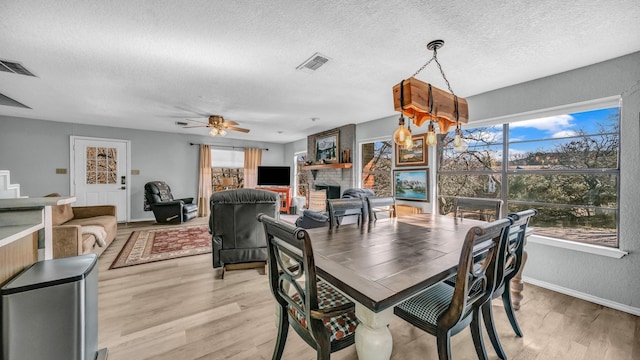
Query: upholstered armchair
237,236
165,208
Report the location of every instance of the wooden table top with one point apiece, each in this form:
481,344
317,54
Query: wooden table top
383,263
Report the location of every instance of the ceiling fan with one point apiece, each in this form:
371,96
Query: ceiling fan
218,125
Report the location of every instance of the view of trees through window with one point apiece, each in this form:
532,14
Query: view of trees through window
376,166
564,166
302,177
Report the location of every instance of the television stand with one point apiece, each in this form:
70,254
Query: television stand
285,196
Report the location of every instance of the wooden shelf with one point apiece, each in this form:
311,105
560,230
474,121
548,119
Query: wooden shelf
327,166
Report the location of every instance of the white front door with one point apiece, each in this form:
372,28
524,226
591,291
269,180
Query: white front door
99,169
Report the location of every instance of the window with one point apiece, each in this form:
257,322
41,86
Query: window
301,176
376,166
565,166
227,169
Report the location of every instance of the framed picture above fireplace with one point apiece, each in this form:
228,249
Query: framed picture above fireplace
327,147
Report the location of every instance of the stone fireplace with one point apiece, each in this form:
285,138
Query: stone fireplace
334,177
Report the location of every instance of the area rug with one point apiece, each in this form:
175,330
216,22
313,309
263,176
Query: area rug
146,246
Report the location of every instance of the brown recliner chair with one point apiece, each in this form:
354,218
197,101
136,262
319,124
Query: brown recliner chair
238,238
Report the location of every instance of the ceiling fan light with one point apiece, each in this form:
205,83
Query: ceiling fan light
222,132
213,132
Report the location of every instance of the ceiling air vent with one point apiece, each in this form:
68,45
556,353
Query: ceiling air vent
313,63
14,67
7,101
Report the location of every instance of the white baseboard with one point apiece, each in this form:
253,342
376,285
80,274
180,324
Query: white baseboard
580,295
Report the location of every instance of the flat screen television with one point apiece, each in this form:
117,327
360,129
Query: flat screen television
274,176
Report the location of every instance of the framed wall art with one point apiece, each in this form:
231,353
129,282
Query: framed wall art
411,184
327,147
417,156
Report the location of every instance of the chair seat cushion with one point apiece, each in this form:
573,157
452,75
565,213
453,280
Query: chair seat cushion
424,309
339,327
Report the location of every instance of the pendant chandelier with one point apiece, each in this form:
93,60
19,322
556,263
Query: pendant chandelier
421,102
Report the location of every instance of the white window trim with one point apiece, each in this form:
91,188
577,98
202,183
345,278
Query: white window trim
358,158
572,245
611,101
295,171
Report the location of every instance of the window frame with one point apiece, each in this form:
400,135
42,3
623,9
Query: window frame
504,172
360,165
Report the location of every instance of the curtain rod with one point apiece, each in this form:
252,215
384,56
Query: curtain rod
227,146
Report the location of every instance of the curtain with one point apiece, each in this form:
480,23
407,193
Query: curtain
252,159
204,181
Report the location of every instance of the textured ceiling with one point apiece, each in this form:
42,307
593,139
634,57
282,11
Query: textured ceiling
146,64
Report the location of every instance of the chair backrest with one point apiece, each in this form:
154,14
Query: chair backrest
514,246
345,207
157,191
292,272
482,209
318,200
477,267
239,237
379,204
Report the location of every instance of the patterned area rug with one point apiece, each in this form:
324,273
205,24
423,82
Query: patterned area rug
147,246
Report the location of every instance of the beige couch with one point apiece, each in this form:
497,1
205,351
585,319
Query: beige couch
82,230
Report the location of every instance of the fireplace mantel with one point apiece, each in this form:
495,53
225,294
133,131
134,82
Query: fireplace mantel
327,166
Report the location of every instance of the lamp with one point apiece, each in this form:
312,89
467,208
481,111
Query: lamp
401,134
423,102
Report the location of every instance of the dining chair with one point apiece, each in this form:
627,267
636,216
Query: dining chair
443,310
480,208
378,204
339,208
512,260
321,315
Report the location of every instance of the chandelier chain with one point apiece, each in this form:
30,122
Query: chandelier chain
435,57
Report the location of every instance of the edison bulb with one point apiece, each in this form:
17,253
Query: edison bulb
408,142
431,135
401,133
459,145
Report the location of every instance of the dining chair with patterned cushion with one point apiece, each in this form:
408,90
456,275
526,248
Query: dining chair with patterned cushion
341,208
443,310
381,204
477,208
321,315
512,260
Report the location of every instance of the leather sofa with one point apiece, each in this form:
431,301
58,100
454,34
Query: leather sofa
237,235
165,208
81,230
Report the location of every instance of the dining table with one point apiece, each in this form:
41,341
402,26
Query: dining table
380,264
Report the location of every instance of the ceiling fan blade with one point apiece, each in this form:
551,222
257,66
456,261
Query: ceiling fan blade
199,126
238,129
230,122
198,121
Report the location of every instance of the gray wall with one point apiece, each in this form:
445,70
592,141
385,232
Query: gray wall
33,149
615,280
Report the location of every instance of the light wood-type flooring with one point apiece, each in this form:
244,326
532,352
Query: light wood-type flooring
180,309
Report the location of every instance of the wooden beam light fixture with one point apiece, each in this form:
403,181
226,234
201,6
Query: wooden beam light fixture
421,102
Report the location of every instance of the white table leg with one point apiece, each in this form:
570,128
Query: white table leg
373,338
